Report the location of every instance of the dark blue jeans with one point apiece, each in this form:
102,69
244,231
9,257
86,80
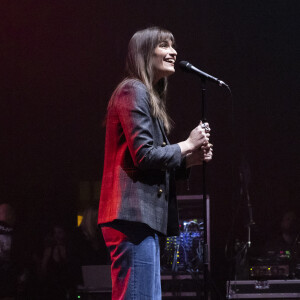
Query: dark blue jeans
135,258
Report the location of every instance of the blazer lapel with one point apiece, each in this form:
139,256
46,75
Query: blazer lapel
163,131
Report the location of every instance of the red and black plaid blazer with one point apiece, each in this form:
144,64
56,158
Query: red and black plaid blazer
140,165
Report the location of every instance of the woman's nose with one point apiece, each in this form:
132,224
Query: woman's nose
173,51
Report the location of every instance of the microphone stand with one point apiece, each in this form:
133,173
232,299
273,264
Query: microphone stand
206,254
206,249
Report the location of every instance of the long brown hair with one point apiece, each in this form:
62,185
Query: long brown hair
139,66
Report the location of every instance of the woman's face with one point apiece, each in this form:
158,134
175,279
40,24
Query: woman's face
164,57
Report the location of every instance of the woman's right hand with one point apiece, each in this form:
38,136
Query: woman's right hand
199,137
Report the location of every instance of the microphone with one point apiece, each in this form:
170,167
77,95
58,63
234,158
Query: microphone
186,66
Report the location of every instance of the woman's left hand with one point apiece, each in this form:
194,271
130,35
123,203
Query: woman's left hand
207,155
197,157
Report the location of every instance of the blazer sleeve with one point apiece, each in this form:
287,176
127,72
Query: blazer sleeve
134,113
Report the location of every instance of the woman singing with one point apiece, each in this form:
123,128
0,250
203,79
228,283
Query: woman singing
138,201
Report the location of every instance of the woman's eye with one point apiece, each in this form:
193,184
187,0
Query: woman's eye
164,45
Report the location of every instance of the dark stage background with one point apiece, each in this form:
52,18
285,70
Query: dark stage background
60,61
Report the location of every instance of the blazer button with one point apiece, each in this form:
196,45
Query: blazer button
160,191
163,144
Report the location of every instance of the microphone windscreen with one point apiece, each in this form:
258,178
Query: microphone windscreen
183,64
